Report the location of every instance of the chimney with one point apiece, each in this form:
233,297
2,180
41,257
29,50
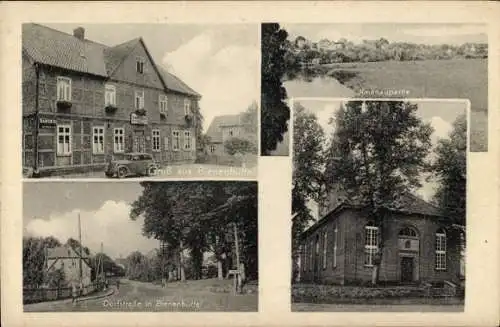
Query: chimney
79,33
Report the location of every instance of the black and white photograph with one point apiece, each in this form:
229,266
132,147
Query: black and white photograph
371,60
379,205
139,100
152,246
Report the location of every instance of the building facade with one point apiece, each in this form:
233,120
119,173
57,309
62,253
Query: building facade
85,103
343,246
224,128
66,259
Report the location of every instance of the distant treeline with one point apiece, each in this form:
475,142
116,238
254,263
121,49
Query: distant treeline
326,52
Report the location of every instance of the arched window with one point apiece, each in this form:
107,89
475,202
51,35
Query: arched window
441,249
371,243
407,232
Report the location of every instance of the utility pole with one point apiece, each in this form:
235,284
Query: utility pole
80,241
238,266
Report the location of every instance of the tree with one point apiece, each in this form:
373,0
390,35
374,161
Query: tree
238,145
377,154
75,245
308,165
274,110
34,256
450,168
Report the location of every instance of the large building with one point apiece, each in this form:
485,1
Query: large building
85,102
419,244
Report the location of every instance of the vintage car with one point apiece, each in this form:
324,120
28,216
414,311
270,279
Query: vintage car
138,164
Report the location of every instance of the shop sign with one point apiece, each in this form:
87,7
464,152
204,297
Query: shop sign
136,119
47,122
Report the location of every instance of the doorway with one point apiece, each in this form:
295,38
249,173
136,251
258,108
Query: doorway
139,141
407,266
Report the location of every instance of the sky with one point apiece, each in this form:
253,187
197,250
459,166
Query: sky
440,114
52,208
395,32
221,62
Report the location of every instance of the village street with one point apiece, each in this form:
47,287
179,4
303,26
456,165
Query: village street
177,296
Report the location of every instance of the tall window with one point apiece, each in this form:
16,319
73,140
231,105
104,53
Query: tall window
304,256
325,244
407,232
335,242
311,249
187,107
110,95
163,104
118,140
187,140
63,140
98,140
156,140
175,140
63,88
440,249
371,243
212,148
139,65
139,99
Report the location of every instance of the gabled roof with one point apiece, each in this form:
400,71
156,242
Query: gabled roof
115,55
62,252
51,47
173,83
215,131
408,204
55,48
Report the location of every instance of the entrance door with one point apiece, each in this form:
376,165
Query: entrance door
139,142
406,269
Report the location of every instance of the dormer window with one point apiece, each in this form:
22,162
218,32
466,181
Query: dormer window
139,65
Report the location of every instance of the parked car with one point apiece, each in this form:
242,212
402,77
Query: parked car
141,164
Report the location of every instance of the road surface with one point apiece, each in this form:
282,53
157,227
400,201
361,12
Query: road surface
139,296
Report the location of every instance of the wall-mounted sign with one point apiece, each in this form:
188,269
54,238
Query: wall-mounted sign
136,119
47,122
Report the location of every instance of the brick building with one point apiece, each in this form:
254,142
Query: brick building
419,246
94,102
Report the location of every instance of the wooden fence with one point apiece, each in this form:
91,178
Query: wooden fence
34,295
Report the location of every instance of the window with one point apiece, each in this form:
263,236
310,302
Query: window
139,65
110,95
408,232
175,140
304,256
63,89
371,243
187,107
335,236
63,140
230,132
325,244
212,148
156,140
139,99
163,104
311,256
98,140
441,249
187,140
118,140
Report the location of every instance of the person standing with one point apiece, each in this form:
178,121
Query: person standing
74,293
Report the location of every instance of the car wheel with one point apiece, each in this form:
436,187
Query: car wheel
122,172
109,175
152,171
